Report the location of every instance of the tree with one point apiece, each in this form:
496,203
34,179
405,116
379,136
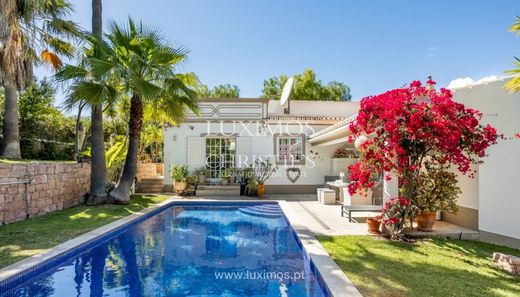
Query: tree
31,32
514,84
146,66
411,128
45,132
219,91
306,87
98,174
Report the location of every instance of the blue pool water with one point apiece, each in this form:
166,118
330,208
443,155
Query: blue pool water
187,250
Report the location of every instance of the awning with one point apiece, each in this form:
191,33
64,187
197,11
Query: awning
335,134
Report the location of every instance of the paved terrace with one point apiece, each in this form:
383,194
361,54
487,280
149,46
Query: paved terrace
326,219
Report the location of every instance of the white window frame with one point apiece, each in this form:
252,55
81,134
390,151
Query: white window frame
289,159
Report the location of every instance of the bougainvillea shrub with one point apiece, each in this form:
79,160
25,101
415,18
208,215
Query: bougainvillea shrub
412,125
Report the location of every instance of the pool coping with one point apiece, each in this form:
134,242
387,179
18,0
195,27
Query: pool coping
338,284
336,281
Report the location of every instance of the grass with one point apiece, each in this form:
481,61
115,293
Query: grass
25,161
23,239
435,267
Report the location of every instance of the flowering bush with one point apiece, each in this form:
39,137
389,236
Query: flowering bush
411,126
394,214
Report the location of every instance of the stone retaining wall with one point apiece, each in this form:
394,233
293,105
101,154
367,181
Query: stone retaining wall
148,170
53,186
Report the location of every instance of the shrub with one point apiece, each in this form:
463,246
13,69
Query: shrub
179,172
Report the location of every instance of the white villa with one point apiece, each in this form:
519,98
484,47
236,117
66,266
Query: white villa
302,140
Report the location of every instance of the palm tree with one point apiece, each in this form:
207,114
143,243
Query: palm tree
146,65
91,86
31,32
514,83
98,173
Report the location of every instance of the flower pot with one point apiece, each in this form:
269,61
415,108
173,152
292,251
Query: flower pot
261,190
425,220
180,186
373,225
202,179
232,179
224,181
243,189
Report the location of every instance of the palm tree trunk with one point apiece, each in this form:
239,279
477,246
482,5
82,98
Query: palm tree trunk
10,147
121,194
98,174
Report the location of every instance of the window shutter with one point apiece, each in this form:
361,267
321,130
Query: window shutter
243,157
196,152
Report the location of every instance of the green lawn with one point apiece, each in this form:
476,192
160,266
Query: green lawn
436,267
23,239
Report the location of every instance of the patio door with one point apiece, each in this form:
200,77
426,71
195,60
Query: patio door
220,154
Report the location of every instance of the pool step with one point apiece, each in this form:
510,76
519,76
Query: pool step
218,190
263,210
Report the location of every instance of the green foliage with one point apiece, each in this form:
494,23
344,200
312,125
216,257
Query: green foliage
513,85
436,189
45,132
179,172
115,158
307,87
219,91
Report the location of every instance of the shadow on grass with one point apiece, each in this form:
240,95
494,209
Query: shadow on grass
380,267
23,239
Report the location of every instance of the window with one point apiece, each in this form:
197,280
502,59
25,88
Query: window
289,150
220,155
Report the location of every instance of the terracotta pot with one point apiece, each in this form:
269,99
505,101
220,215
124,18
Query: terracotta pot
373,225
202,179
261,190
232,179
180,186
224,181
425,220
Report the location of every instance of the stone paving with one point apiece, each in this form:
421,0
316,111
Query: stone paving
326,219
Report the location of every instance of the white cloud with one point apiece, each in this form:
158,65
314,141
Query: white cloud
468,81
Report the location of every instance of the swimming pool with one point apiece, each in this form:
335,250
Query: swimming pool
183,249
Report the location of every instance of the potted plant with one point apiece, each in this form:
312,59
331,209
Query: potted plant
232,173
224,177
179,173
263,170
436,190
202,173
191,184
374,224
252,188
245,174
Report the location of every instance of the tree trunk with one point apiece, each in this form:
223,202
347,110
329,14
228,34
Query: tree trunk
98,174
10,147
121,194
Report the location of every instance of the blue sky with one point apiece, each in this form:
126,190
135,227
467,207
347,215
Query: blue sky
372,45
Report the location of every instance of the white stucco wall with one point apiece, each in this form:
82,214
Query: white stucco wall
312,173
499,177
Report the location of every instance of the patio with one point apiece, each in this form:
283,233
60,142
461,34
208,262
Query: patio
325,220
